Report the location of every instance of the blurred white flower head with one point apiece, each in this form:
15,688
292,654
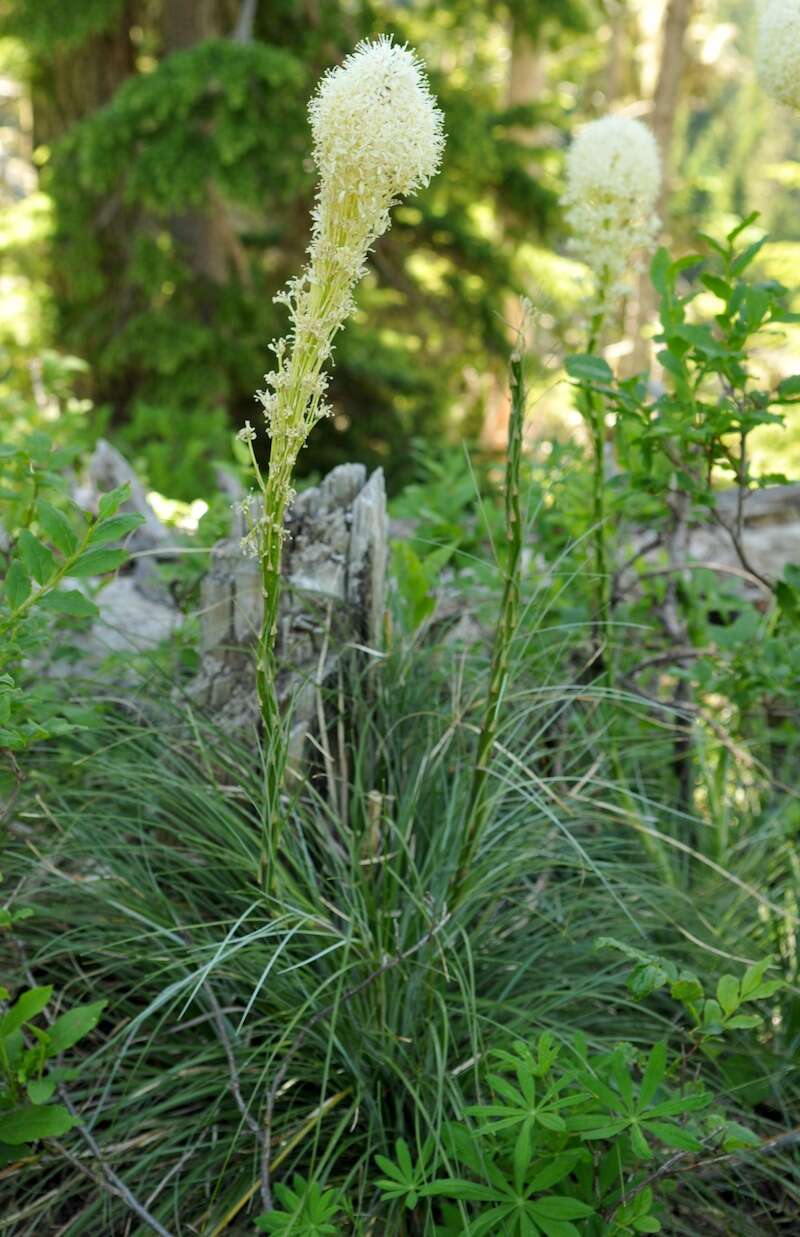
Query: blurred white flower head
613,182
778,50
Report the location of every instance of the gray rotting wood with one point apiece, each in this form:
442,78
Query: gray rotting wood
333,599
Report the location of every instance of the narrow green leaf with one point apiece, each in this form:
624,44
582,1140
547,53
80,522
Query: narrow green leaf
97,562
110,503
747,256
28,1006
71,602
73,1025
115,528
673,1136
639,1144
559,1207
654,1074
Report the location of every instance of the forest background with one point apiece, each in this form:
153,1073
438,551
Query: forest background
157,181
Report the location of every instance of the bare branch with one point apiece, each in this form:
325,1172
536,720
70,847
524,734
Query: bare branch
246,22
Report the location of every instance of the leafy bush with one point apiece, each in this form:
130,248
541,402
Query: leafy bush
28,1080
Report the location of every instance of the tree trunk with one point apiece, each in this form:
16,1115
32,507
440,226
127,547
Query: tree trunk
203,236
74,82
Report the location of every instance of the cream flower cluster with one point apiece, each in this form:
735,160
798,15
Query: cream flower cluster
378,135
613,182
778,50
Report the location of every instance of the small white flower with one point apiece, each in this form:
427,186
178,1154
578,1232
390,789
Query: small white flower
613,182
778,50
246,433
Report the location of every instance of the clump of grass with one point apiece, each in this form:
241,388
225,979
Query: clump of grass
251,1035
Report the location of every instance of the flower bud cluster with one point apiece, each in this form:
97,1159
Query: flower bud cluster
613,182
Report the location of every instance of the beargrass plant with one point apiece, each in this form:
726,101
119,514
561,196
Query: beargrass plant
378,137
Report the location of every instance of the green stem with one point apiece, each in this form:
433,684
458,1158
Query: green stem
479,802
594,414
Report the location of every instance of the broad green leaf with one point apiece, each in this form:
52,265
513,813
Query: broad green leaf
71,602
728,993
73,1025
33,1122
18,585
789,388
97,562
40,1090
646,1224
56,526
28,1006
767,989
589,368
36,557
687,988
115,528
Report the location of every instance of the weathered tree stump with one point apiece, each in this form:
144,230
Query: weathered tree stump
334,574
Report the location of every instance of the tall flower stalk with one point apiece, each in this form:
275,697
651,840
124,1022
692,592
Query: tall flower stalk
478,803
378,136
613,182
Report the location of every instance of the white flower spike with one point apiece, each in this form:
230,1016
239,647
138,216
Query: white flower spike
613,182
778,50
378,135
